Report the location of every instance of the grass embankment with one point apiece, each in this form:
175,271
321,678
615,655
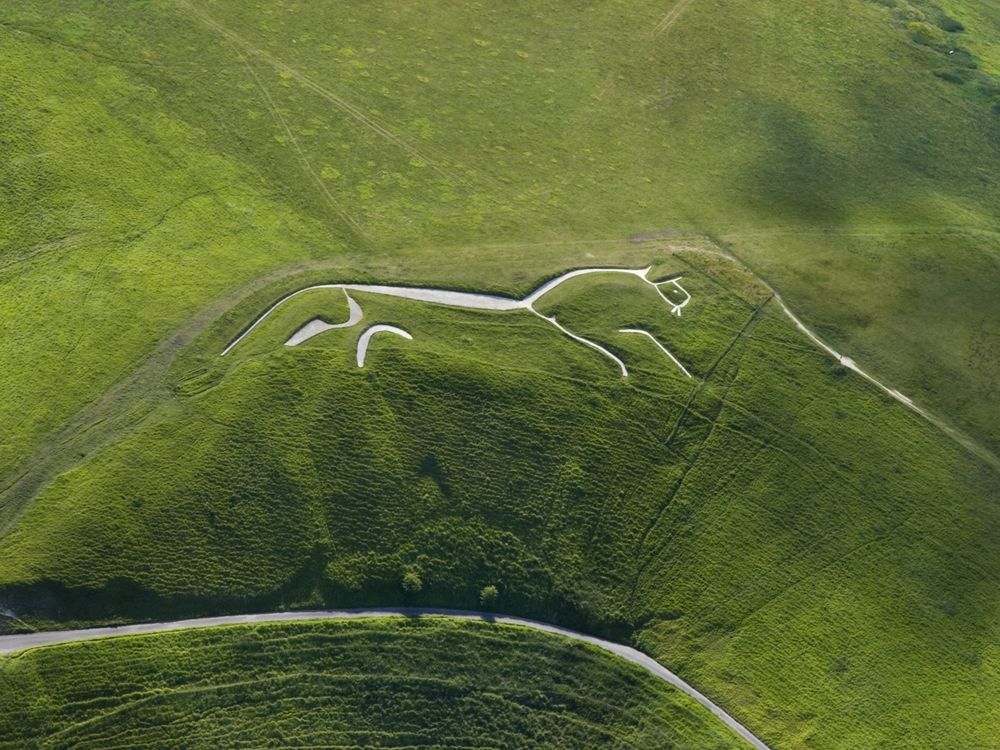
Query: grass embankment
428,683
812,554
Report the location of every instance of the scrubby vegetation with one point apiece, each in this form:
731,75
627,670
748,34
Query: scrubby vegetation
928,25
429,683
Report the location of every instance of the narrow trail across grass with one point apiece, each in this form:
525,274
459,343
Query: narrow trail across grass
968,443
14,643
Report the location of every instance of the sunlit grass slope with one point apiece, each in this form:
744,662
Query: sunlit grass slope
814,138
817,557
429,684
812,554
118,225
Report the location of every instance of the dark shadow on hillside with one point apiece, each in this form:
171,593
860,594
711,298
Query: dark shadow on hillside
51,604
795,176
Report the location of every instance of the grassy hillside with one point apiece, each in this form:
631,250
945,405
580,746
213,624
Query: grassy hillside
431,684
773,527
818,557
166,152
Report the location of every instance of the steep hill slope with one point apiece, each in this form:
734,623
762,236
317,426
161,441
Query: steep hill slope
819,557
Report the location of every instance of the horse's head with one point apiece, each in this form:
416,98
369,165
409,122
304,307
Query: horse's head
676,296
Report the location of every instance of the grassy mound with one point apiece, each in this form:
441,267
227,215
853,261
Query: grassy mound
428,684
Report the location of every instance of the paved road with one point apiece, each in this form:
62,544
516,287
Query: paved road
10,643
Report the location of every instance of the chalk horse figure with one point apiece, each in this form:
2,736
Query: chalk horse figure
471,301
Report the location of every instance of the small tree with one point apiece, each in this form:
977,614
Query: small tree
411,582
488,596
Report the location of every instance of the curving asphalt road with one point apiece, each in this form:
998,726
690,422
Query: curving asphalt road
12,643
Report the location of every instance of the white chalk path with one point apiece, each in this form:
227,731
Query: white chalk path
467,300
317,326
367,337
956,435
660,346
587,342
849,363
13,643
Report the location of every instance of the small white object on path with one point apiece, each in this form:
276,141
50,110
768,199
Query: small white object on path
12,643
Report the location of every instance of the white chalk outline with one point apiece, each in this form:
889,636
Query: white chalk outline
317,326
661,347
467,300
365,338
587,342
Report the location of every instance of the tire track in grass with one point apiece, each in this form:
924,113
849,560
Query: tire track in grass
649,557
711,370
670,18
643,564
339,210
773,597
342,104
662,27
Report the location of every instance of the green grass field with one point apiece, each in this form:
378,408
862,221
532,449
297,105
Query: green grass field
429,684
151,181
771,499
817,557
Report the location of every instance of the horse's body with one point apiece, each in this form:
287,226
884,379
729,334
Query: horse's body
467,300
